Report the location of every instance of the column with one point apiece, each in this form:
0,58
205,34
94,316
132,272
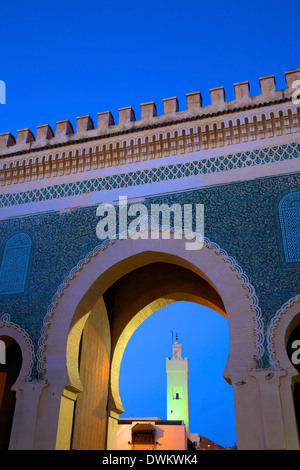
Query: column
269,382
25,415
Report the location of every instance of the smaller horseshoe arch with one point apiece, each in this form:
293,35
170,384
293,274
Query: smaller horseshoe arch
280,331
15,370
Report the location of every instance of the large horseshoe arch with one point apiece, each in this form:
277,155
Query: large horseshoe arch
207,276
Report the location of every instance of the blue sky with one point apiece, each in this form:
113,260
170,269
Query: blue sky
204,335
64,59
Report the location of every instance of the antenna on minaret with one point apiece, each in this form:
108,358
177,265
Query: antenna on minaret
172,337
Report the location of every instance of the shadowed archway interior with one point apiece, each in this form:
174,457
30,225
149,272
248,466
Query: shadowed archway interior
9,373
121,309
293,352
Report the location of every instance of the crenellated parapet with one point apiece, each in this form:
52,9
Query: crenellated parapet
85,128
198,128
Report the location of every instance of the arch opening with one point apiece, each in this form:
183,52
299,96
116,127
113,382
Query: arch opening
123,307
280,335
204,335
10,368
293,352
142,292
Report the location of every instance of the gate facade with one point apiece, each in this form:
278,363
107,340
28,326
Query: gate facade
71,301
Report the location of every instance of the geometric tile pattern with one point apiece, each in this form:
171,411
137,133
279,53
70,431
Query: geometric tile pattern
156,174
14,266
289,215
250,232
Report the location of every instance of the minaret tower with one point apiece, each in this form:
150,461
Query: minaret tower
177,386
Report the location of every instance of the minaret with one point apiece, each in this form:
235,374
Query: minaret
177,386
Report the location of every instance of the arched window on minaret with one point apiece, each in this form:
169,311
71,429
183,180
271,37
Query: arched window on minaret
15,263
289,216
